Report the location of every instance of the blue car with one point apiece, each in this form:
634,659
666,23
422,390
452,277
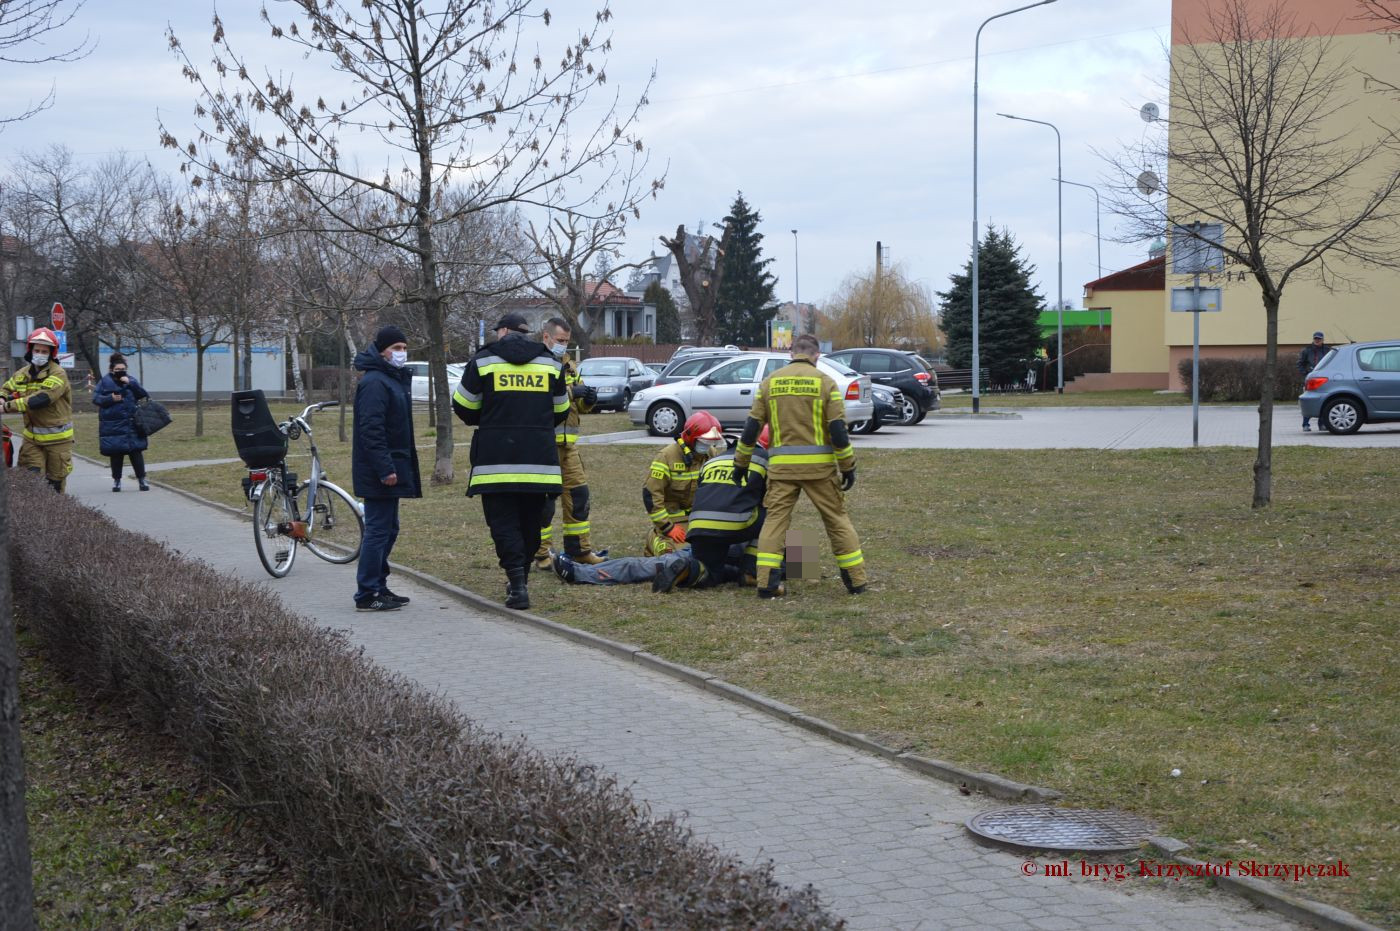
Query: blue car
1353,385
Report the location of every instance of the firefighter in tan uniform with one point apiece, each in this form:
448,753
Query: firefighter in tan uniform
810,452
575,497
40,391
669,492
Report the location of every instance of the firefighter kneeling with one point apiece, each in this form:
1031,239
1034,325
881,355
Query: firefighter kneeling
802,405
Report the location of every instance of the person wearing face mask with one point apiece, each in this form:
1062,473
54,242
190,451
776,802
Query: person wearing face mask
669,491
116,395
384,462
40,391
574,499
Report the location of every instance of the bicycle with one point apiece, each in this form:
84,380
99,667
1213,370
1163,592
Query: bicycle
316,512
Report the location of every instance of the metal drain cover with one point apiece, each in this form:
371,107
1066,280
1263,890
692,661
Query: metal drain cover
1045,827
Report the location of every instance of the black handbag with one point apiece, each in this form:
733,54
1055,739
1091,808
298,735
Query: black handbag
151,417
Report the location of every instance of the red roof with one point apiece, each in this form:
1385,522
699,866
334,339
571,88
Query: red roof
1148,276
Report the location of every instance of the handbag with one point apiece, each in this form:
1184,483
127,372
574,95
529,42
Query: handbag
150,417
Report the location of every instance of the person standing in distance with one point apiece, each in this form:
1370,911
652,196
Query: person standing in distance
1307,361
810,447
384,462
116,395
513,392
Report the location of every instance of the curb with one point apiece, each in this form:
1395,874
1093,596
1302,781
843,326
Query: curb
969,415
1261,893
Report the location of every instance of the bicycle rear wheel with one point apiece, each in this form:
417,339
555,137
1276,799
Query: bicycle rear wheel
337,527
276,548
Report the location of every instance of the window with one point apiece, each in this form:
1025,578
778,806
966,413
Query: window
772,365
877,363
692,367
735,373
603,368
635,368
1379,359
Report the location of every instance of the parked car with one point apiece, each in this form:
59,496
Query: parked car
727,391
889,408
420,378
684,350
617,378
655,367
692,364
1353,385
896,369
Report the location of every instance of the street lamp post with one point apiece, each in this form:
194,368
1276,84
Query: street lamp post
1060,255
976,233
1098,212
796,293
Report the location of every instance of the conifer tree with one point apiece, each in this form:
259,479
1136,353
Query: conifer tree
745,302
668,318
1008,310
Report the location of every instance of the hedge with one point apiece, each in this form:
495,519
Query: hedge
1243,379
395,809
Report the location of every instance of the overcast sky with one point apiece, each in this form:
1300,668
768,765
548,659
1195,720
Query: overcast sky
850,122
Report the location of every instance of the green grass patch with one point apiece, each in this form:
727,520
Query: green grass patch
1085,620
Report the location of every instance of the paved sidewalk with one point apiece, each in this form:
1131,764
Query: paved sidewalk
886,847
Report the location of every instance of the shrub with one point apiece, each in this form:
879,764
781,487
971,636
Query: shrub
395,809
1242,379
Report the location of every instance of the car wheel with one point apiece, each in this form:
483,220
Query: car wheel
908,411
1342,415
922,414
626,400
665,419
861,427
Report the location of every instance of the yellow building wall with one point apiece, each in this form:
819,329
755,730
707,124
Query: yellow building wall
1366,307
1138,343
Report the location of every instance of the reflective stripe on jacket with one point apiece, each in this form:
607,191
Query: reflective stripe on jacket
669,491
798,402
723,509
51,422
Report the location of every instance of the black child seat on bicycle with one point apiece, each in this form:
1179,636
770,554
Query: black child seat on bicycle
260,444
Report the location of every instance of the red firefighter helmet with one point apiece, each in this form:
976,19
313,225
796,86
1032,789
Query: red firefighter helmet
700,425
765,436
42,335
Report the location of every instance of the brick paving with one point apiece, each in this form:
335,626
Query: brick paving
885,847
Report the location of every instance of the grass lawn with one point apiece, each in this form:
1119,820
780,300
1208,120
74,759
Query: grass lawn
1083,620
1002,400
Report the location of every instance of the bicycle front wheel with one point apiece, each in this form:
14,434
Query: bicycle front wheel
336,524
271,520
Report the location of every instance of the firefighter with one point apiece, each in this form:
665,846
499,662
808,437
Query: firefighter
669,491
40,391
810,452
574,499
722,529
512,390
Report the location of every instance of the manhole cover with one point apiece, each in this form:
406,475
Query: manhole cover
1044,827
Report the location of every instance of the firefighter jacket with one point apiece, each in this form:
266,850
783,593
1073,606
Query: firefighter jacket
669,491
802,407
723,510
512,390
566,434
46,401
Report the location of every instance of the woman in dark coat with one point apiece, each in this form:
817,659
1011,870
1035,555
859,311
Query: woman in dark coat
116,396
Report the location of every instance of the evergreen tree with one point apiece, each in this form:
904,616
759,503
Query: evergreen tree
668,318
745,302
1008,310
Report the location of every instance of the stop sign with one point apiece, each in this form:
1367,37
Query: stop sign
58,316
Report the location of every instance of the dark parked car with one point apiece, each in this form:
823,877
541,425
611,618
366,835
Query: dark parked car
691,364
889,408
617,378
900,370
1353,385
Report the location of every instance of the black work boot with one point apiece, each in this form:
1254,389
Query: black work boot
677,573
774,589
517,591
851,588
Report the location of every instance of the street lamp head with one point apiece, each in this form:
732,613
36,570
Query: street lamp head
1009,116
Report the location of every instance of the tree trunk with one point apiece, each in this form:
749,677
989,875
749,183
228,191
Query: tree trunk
199,349
343,381
1264,460
233,350
433,313
296,364
16,878
247,358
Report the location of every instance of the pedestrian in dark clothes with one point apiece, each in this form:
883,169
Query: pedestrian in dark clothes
1307,361
384,462
116,395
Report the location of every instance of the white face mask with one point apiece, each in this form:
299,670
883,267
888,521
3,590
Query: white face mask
559,349
398,358
709,447
40,358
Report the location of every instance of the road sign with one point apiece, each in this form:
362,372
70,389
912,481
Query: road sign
62,341
66,360
1196,300
58,316
1196,248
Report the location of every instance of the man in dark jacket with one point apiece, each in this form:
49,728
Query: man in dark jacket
1307,361
513,392
384,462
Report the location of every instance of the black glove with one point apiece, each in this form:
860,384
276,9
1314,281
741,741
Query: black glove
848,479
739,473
586,393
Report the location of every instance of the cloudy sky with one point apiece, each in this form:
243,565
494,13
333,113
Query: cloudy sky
850,122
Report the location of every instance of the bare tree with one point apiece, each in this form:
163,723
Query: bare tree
883,308
700,270
461,91
1255,143
26,25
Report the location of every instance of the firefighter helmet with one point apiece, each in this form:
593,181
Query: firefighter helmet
40,337
700,425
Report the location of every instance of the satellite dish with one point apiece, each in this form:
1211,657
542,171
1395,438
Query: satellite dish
1149,113
1148,183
